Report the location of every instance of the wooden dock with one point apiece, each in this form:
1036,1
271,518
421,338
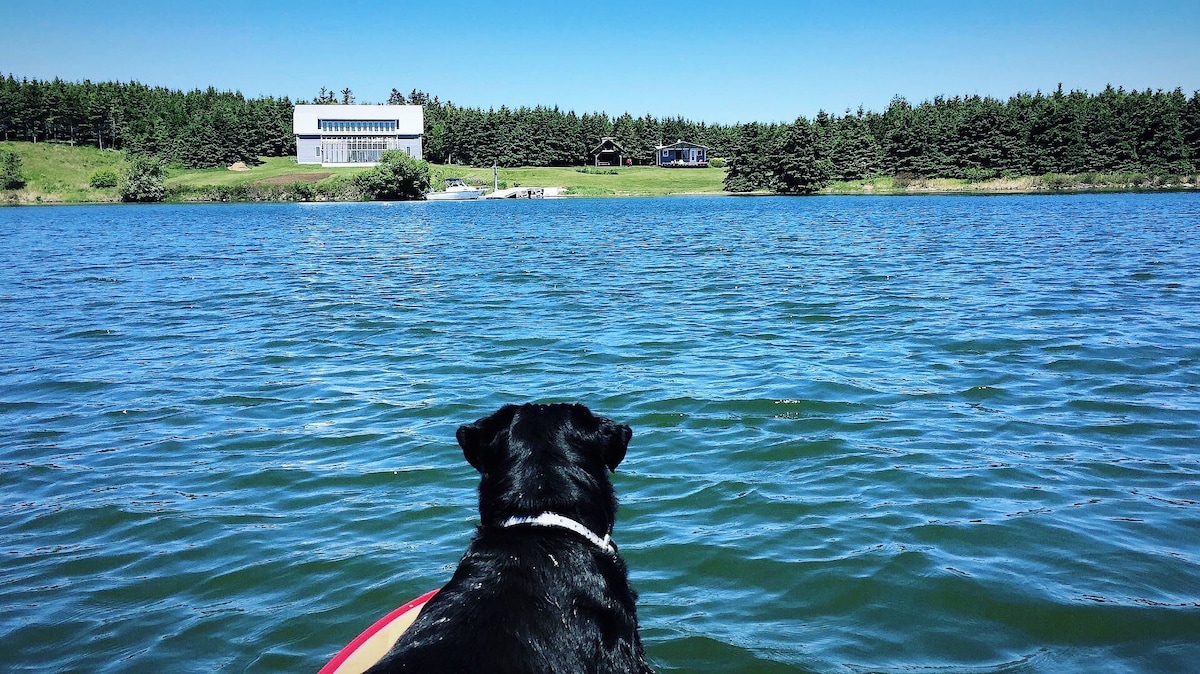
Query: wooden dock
525,193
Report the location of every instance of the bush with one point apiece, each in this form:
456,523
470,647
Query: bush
1054,181
105,178
339,188
143,181
10,171
302,191
398,176
978,175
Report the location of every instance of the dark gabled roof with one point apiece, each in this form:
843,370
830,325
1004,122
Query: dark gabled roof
681,143
607,139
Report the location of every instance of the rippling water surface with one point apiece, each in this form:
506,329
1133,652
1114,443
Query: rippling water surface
891,434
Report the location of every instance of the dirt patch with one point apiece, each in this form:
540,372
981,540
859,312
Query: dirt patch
294,178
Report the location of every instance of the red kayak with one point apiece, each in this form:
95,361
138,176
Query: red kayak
369,647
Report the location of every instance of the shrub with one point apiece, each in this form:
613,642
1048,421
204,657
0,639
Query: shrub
338,188
398,176
1055,181
978,175
303,191
143,181
10,171
105,178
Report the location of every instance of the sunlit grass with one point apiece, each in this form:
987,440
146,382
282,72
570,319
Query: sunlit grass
60,173
270,168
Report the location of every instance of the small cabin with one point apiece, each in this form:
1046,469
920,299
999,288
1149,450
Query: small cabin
681,154
608,153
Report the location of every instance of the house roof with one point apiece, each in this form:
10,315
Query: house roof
605,141
410,119
681,144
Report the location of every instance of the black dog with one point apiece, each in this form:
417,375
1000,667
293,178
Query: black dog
541,588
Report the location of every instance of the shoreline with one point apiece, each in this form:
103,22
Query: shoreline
60,175
41,200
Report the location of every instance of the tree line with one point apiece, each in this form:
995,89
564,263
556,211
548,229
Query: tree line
548,136
974,137
196,129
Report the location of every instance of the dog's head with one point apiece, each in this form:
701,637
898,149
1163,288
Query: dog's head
546,458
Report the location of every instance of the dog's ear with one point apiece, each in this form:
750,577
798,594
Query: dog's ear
616,443
476,437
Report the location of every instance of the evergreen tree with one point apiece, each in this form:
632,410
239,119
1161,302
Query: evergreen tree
1161,142
1191,130
749,166
855,154
800,164
903,142
11,177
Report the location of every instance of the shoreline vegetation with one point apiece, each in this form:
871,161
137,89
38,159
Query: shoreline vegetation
64,174
154,144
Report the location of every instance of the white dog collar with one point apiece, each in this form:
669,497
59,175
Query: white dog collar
553,520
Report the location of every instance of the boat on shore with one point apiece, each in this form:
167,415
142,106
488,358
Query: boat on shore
455,190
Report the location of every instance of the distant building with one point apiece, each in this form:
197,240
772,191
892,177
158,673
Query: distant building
681,154
608,152
355,135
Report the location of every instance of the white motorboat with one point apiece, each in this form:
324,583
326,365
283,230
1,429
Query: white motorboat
456,190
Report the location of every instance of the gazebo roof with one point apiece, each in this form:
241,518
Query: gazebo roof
605,141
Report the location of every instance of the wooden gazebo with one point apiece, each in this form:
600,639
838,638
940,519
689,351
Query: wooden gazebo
608,153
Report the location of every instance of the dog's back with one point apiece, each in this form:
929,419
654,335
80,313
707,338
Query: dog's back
529,598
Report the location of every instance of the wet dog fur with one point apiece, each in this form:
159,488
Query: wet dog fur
532,598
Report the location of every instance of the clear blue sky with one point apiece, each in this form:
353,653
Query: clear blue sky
719,62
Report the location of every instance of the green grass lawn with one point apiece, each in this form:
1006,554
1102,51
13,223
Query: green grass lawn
632,180
272,168
60,173
623,181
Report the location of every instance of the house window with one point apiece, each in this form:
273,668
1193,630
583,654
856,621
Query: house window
358,126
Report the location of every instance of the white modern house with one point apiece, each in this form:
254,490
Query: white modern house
355,135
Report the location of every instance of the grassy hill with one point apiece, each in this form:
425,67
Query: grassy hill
60,173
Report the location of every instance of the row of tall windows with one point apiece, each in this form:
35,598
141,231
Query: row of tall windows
357,149
357,126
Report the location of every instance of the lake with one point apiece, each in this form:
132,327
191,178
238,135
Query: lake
955,433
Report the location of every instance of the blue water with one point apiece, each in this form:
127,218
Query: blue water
871,434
